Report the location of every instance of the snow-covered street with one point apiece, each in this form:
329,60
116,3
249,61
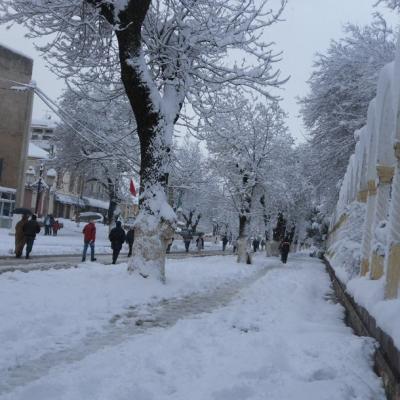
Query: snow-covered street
217,330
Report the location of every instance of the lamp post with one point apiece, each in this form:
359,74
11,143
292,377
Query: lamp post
41,183
39,187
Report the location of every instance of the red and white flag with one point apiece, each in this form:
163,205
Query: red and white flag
132,188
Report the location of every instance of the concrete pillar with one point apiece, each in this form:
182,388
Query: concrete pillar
392,260
385,177
367,233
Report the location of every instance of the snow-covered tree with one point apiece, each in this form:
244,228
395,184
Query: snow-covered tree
166,52
243,145
341,86
97,141
393,4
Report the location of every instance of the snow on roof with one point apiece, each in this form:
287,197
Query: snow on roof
69,199
7,190
36,152
43,122
15,51
97,203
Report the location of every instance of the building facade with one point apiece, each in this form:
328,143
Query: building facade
15,119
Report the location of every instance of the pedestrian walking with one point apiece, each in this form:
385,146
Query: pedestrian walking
117,237
284,248
262,244
224,242
30,229
89,237
234,244
200,243
19,235
52,220
169,245
130,238
256,244
47,224
56,227
187,239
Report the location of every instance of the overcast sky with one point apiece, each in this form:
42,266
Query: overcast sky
308,28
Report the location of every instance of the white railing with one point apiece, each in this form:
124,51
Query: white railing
373,178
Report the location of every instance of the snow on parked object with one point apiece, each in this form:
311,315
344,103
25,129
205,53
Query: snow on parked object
279,339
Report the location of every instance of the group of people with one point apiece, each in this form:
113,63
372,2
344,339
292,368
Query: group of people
26,230
51,225
187,238
117,237
25,234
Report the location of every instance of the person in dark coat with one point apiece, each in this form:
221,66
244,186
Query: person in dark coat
19,235
187,238
224,243
256,245
130,238
284,247
30,229
117,238
89,237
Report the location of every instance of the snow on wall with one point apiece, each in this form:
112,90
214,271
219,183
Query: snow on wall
377,147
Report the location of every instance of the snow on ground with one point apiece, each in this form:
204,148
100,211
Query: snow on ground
277,338
70,241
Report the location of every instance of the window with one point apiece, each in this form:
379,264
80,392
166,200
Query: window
47,137
35,137
37,130
49,131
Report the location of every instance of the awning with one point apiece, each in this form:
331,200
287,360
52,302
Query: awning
69,199
96,203
7,189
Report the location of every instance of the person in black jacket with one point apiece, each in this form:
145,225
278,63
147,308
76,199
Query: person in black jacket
117,238
30,229
284,247
130,237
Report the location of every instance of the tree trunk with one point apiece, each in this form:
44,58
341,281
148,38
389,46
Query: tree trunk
243,255
154,226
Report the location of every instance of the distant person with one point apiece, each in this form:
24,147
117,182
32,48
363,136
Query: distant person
284,248
117,238
235,244
130,238
30,229
224,242
168,250
47,225
19,235
256,244
56,227
262,244
187,239
200,243
52,220
89,237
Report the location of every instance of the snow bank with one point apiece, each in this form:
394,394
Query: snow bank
346,250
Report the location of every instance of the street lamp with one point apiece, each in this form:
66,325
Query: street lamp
39,188
40,183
